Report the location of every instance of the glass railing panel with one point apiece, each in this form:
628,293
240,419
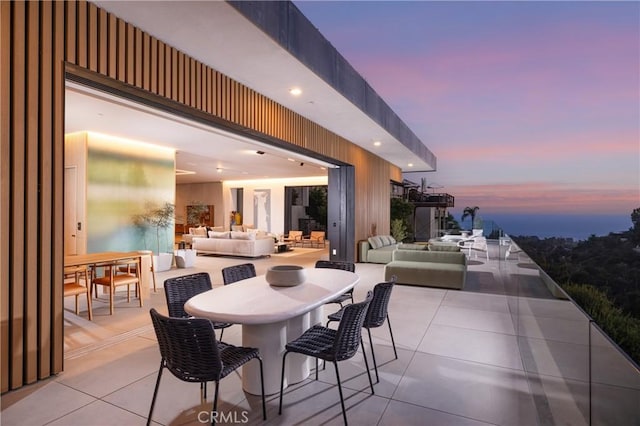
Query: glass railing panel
614,382
491,230
576,373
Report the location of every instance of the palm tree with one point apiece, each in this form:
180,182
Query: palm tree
470,212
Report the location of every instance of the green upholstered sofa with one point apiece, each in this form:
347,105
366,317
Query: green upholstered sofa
377,249
443,246
428,268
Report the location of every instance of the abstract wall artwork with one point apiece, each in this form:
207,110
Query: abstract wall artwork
262,209
123,179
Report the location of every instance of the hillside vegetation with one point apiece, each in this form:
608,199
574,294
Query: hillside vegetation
601,274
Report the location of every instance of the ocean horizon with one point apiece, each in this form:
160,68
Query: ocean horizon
578,227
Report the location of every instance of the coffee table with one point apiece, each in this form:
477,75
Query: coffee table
283,246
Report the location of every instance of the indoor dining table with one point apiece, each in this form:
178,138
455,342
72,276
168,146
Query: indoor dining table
272,316
93,260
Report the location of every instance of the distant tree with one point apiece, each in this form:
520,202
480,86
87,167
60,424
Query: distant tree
398,230
452,223
470,212
402,210
635,230
317,208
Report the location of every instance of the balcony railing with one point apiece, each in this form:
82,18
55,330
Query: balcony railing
431,200
574,369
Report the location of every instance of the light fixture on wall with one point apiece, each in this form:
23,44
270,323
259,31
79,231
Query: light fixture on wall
180,172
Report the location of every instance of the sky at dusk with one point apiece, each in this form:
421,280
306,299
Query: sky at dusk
528,106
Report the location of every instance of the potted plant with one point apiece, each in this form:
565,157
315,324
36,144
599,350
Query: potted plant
160,218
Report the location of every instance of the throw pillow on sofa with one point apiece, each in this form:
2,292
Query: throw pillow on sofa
200,231
222,235
379,241
375,242
387,240
257,232
237,235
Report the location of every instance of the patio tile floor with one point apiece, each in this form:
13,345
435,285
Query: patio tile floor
490,354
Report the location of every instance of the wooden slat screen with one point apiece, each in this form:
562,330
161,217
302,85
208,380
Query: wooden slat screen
37,39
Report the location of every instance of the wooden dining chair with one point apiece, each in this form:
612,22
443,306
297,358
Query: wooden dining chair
127,268
76,288
114,278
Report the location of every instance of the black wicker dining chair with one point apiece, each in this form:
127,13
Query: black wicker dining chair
345,266
376,315
232,274
189,350
332,345
178,290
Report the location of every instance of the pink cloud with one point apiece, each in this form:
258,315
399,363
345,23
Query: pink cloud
569,146
508,98
567,69
537,197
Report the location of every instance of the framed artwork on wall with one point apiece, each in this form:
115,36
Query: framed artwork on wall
200,214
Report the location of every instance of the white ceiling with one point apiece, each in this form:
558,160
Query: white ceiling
216,34
200,148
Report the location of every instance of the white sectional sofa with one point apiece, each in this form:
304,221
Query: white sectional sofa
234,243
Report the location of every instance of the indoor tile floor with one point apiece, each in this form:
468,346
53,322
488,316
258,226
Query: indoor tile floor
488,355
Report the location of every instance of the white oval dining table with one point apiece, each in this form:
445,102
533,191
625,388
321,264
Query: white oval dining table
272,316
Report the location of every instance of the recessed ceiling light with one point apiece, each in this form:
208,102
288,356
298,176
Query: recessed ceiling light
295,91
377,143
410,165
260,152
